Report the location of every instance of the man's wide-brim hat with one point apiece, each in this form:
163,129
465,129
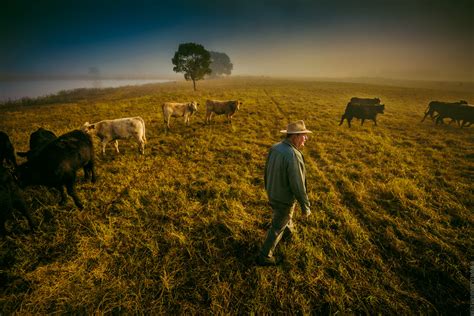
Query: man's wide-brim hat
297,127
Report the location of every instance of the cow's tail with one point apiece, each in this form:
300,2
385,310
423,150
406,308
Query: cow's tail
144,132
426,113
342,119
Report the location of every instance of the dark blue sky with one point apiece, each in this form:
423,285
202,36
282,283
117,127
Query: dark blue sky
416,39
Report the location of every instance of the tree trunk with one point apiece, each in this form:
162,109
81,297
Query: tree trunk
194,84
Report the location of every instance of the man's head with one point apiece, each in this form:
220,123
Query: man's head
297,133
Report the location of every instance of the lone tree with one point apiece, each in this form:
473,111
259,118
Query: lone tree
220,64
193,60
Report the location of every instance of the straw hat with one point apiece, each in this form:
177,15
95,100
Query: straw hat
297,127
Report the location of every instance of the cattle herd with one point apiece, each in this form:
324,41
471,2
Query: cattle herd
54,161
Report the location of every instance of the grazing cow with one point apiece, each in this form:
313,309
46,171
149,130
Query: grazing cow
10,199
221,107
57,163
171,109
437,106
364,101
38,139
7,152
363,112
113,130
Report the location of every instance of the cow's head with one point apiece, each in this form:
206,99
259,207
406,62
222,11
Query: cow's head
193,106
88,128
381,108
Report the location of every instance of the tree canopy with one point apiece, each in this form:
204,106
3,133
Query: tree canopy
220,64
193,60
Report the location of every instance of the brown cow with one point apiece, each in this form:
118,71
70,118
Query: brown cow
172,109
221,107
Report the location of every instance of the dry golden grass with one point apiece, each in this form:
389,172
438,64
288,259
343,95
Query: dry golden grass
177,230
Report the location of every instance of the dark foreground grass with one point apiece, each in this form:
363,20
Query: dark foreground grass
177,230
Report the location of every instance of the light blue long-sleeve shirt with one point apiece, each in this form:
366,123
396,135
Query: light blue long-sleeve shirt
285,176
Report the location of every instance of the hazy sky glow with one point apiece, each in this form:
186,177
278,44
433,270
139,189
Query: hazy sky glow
410,39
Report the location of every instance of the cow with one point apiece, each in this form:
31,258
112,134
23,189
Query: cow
437,106
57,163
171,109
363,112
11,198
7,152
221,107
364,101
113,130
462,113
38,139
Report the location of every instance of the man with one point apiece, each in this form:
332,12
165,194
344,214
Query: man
285,183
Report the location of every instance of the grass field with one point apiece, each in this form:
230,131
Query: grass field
178,230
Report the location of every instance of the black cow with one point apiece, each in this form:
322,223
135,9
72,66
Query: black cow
10,199
38,139
365,101
463,114
363,112
57,163
7,152
437,106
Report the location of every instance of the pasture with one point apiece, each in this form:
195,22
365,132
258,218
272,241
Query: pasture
178,229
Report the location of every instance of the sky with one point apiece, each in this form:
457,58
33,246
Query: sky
399,39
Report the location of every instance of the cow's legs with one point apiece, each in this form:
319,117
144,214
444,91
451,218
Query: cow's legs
89,170
342,120
69,184
6,212
362,122
104,143
208,117
63,201
72,192
349,121
116,146
87,173
21,206
141,146
186,120
375,122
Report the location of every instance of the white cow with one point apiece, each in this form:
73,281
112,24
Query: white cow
123,128
172,109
